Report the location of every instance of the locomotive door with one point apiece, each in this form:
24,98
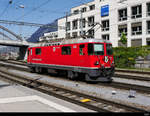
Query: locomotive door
29,55
82,52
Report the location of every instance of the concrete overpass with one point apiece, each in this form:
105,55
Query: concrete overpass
16,43
19,42
23,45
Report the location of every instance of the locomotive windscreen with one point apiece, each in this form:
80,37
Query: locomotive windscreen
95,49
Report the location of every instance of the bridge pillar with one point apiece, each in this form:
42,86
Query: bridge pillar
23,53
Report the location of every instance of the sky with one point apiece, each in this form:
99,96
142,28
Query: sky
34,11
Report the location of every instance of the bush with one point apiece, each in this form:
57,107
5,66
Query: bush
125,57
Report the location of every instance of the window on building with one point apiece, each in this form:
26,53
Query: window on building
66,50
92,7
83,9
91,21
74,34
148,43
136,28
122,29
55,36
68,26
148,9
136,12
91,33
75,24
136,42
101,0
81,47
83,23
76,12
148,27
68,35
38,51
83,32
105,25
105,37
122,14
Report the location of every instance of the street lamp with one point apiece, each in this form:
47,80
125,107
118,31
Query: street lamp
10,1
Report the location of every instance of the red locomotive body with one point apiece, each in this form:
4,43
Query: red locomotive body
92,57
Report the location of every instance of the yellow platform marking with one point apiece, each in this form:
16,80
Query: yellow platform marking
85,100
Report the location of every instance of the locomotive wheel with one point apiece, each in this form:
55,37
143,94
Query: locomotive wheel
32,69
71,75
38,70
87,77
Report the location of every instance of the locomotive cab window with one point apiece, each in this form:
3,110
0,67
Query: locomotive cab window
81,51
38,51
95,49
66,50
109,49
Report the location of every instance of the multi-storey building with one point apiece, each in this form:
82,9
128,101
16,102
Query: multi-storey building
49,36
115,16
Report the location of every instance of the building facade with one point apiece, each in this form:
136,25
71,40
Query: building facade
113,17
49,36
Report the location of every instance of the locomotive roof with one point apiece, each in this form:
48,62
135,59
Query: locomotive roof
73,41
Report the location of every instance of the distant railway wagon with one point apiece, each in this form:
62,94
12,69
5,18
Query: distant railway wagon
92,58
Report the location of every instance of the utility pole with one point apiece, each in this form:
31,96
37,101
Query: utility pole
66,24
81,22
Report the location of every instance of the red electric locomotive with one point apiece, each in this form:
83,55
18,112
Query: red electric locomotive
91,57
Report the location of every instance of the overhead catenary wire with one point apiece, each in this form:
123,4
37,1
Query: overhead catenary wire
30,24
62,26
3,12
34,9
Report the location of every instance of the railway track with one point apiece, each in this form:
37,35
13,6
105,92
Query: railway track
126,73
125,86
91,102
119,85
133,71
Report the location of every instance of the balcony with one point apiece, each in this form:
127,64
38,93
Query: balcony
136,16
105,29
148,13
137,32
90,24
148,31
74,27
123,18
119,35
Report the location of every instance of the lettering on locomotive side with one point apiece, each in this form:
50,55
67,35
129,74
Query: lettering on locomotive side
37,59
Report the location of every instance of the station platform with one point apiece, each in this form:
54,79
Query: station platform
17,98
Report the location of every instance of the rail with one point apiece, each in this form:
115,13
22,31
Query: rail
90,102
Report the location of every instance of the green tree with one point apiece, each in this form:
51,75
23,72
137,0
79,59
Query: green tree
123,39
